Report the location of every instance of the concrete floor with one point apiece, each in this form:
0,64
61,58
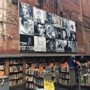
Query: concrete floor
23,87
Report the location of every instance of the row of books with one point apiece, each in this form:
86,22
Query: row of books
65,69
40,73
64,75
15,82
30,78
30,71
38,81
30,85
15,68
85,80
1,67
28,65
64,81
15,76
43,64
15,61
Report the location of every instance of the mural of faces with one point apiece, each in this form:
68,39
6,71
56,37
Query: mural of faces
42,31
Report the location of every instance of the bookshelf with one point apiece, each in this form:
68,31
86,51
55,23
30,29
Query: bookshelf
85,80
31,62
67,76
38,78
30,79
15,72
42,62
53,73
2,66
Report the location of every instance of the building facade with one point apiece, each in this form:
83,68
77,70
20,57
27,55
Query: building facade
76,10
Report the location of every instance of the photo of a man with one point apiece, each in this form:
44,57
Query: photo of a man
40,30
26,42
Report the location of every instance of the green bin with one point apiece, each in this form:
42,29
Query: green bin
4,83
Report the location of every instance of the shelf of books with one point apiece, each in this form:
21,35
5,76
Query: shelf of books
38,79
30,62
42,62
30,79
34,78
67,76
15,72
2,67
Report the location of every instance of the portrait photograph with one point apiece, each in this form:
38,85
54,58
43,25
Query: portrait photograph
67,46
64,34
49,18
39,15
50,31
50,45
26,42
26,26
25,10
74,46
59,45
65,23
39,44
72,26
57,21
40,30
72,36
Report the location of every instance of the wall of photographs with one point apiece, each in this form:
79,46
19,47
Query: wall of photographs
41,31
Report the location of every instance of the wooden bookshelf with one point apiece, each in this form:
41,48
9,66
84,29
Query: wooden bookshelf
2,66
67,76
15,72
30,79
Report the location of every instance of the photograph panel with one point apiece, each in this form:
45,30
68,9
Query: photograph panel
26,26
38,15
59,45
39,44
72,26
25,10
50,45
72,36
65,23
26,43
50,31
74,46
49,18
57,21
67,46
40,30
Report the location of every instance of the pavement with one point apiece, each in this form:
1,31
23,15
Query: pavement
23,87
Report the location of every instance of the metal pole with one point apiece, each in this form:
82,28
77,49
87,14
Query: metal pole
79,78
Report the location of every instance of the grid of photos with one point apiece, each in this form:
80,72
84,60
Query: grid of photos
41,31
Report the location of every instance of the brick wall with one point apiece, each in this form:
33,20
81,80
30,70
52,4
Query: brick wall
71,10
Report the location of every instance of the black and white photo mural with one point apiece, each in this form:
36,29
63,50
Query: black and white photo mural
42,31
